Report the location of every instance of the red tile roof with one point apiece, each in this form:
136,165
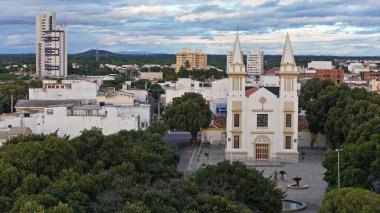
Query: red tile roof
217,122
251,91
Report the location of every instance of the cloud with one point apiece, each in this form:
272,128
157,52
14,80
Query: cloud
139,11
316,26
205,16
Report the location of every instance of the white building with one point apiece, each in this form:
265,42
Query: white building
71,119
262,123
358,69
269,81
215,93
140,95
65,90
354,64
255,62
320,65
51,47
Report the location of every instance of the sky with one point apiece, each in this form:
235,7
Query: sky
316,27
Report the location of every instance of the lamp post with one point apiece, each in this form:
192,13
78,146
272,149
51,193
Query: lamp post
337,150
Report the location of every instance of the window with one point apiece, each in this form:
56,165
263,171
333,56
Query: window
288,122
262,120
236,142
288,142
49,111
236,120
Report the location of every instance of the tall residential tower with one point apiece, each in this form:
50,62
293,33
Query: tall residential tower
51,47
255,62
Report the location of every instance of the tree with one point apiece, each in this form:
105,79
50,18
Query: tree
311,89
187,64
156,90
160,128
357,163
35,84
188,113
350,200
241,185
129,171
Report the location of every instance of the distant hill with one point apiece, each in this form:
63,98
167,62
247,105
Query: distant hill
92,52
141,53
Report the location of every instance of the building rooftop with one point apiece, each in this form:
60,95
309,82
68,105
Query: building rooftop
250,91
274,90
44,103
14,131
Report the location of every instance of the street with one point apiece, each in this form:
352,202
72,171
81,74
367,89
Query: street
181,142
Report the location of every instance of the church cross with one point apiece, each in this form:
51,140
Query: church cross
262,101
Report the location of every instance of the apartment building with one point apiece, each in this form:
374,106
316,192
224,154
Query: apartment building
255,62
51,47
191,60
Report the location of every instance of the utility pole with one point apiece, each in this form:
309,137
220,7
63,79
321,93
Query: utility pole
11,103
338,168
158,103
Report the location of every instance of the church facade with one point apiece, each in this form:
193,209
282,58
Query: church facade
262,123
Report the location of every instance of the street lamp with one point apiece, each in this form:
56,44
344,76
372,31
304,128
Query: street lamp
338,150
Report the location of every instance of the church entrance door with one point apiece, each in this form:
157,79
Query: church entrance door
262,151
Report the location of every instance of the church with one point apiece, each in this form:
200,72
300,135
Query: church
262,123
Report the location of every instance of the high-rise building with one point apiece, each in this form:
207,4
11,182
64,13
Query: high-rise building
51,47
230,53
255,62
191,60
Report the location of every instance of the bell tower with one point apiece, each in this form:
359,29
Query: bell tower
236,141
288,141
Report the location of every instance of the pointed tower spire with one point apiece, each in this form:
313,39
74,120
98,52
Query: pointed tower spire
287,53
237,56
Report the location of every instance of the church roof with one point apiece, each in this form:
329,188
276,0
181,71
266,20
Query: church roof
250,91
274,90
287,53
237,56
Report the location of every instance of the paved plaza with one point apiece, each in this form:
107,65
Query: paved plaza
309,169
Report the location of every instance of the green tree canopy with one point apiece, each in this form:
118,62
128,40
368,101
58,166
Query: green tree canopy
311,89
239,183
358,163
188,113
124,172
350,200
